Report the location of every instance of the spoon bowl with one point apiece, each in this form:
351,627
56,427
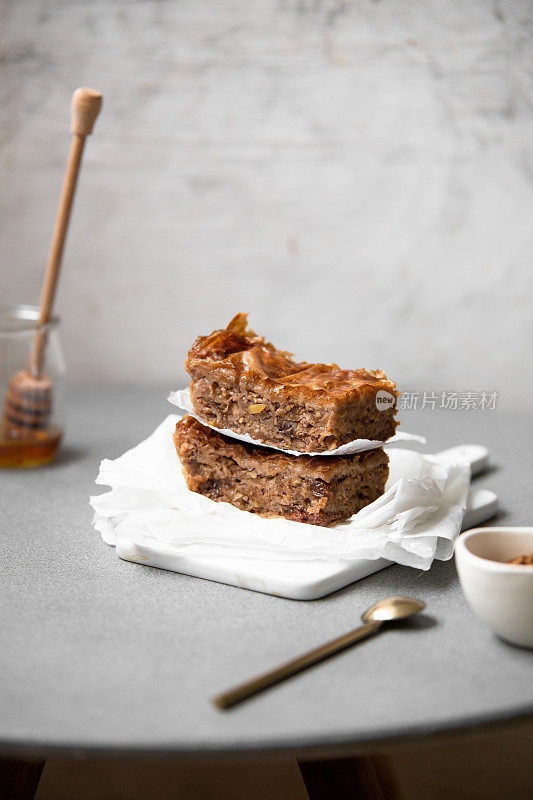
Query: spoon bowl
393,608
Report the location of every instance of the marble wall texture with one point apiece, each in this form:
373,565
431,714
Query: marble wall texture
357,175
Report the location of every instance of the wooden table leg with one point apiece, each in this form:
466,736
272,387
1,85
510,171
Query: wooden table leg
358,778
19,779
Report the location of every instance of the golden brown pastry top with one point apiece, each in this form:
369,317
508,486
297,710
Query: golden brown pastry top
237,354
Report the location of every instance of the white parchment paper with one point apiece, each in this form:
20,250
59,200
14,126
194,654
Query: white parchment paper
182,399
415,521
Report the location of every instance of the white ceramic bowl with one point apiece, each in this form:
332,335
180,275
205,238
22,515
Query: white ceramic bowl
501,593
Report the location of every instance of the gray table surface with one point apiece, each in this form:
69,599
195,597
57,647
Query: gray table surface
100,653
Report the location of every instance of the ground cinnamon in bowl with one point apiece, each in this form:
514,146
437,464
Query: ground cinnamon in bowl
524,560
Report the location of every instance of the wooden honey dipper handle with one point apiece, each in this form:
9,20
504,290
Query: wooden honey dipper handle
85,107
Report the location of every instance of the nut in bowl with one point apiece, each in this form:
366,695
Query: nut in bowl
499,591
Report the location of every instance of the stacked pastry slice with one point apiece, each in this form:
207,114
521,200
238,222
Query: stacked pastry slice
241,383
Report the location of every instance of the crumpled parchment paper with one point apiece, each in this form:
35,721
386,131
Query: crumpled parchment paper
415,521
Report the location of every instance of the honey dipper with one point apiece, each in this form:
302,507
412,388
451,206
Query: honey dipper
28,400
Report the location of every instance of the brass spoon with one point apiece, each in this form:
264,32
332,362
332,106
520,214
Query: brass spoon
388,610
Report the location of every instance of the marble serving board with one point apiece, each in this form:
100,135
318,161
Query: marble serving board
297,580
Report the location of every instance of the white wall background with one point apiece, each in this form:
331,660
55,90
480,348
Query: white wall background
357,175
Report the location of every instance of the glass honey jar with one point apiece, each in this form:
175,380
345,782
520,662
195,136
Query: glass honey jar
32,405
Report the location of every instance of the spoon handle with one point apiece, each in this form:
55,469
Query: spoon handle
245,690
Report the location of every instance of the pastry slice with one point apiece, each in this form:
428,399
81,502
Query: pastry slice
320,490
243,383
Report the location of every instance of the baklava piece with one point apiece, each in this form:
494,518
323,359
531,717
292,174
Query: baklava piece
242,383
320,490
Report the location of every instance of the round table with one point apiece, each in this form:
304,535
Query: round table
104,655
